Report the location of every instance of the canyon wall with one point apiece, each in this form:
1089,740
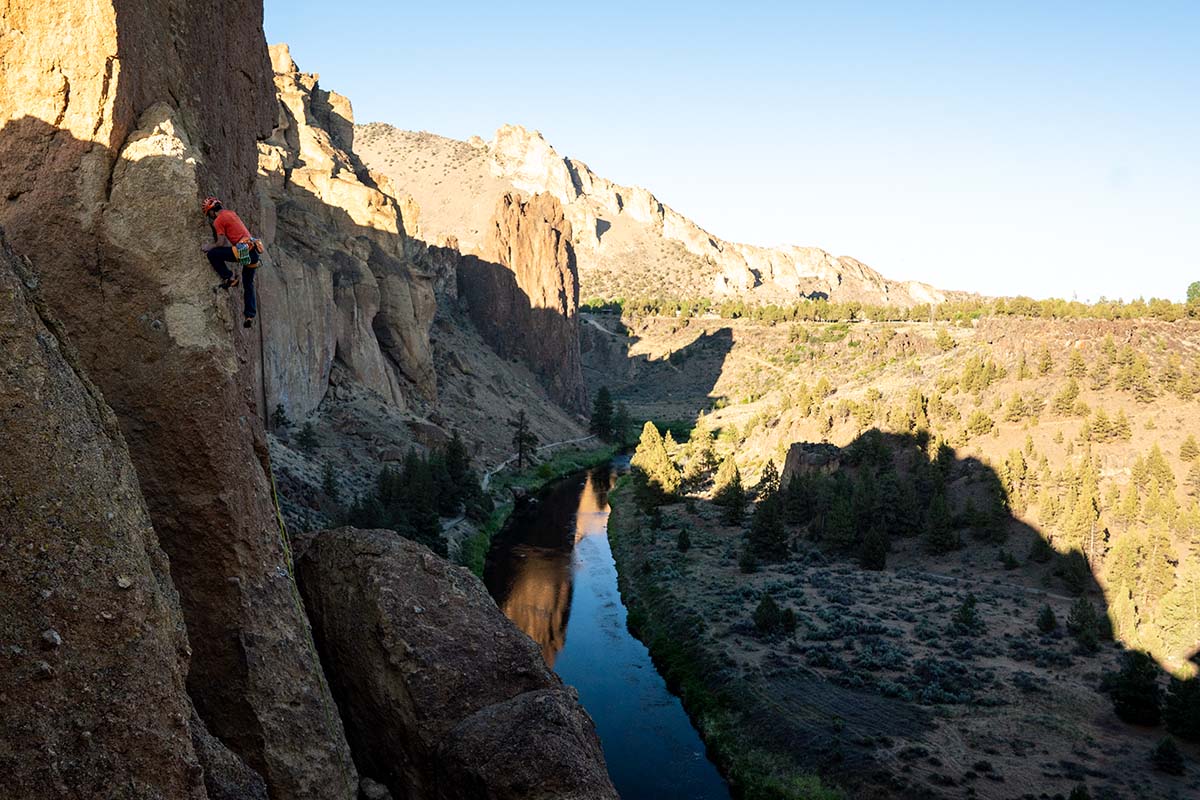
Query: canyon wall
344,281
522,290
115,119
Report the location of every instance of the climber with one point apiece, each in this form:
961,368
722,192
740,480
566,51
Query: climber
232,244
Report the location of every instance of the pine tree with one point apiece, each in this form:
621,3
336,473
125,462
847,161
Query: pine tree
1181,708
1178,617
1189,450
1135,692
1076,366
940,534
684,541
307,438
872,554
655,465
839,522
329,484
279,418
1084,624
1046,621
1045,361
768,481
622,422
770,619
523,440
602,414
768,536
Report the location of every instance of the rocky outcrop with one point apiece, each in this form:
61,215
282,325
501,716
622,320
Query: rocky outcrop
345,282
442,696
115,119
808,458
93,654
522,289
628,242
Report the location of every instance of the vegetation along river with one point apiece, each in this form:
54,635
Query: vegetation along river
551,571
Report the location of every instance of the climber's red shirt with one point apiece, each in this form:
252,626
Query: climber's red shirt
230,225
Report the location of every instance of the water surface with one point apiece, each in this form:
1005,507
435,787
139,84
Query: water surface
551,571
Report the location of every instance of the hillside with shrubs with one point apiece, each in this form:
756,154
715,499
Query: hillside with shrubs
990,507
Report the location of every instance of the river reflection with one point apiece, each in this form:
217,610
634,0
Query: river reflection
551,571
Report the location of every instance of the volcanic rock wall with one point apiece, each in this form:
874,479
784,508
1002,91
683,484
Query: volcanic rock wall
93,653
344,283
115,119
522,290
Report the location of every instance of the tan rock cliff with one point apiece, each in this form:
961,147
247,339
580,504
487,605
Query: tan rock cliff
522,289
115,119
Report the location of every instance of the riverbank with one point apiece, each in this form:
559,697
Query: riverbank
732,714
533,479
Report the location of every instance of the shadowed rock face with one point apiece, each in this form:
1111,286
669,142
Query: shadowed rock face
522,290
115,119
93,654
442,696
344,283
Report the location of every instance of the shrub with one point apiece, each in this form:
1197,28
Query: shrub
1084,624
1166,757
684,541
1135,692
770,619
1080,792
1181,709
1046,621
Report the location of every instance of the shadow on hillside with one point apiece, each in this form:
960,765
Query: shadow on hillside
890,487
678,387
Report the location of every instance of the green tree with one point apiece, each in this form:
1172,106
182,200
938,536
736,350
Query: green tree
655,464
1084,624
602,414
307,438
1046,621
966,620
768,482
524,440
279,418
940,535
872,554
621,424
768,535
944,341
1181,708
684,541
1189,449
1166,757
329,484
1045,361
771,620
1135,693
1076,366
1193,293
729,493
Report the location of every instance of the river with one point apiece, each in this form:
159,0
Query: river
551,571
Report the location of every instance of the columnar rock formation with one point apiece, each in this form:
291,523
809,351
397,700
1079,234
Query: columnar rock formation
627,241
115,119
522,290
344,282
443,697
92,643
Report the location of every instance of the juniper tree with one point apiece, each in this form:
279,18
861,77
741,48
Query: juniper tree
652,460
1084,624
1135,693
768,536
307,438
940,535
872,554
1189,449
729,493
1046,621
602,414
1181,708
329,485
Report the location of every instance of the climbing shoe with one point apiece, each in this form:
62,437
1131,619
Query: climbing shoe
230,282
249,323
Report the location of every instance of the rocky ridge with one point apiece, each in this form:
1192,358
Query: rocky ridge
628,242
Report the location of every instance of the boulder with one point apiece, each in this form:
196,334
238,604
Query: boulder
416,649
536,746
115,120
93,655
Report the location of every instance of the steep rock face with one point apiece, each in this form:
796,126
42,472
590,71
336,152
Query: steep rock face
628,242
434,682
522,290
345,283
92,645
115,119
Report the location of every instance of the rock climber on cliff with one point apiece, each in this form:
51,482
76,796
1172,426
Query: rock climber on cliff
232,244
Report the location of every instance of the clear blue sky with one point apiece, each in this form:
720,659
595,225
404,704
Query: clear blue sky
1042,148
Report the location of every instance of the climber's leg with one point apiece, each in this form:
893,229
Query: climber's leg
251,299
217,257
